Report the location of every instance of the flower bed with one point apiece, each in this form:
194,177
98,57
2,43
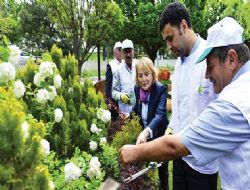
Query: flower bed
74,122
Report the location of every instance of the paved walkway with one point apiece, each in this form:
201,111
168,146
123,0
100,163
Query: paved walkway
92,65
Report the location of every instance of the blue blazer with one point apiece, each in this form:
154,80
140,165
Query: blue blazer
156,118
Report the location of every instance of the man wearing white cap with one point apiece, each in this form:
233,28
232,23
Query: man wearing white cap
112,66
124,79
222,130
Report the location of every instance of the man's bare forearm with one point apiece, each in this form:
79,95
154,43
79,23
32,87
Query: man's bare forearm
161,149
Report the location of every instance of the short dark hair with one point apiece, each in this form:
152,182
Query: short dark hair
241,49
173,14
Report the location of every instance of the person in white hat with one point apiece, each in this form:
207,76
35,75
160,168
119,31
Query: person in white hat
222,130
191,93
124,79
112,66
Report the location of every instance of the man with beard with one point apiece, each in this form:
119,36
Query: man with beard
191,93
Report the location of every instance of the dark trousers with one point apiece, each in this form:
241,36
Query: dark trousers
163,176
186,178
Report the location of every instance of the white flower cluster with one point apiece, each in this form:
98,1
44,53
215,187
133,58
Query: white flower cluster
95,129
103,140
38,79
93,145
45,147
94,167
71,172
42,96
25,129
19,89
51,185
14,54
104,115
58,115
47,69
7,72
57,81
52,93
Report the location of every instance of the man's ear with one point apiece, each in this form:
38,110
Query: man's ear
183,25
233,58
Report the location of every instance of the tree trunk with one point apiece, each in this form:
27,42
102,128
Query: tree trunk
99,61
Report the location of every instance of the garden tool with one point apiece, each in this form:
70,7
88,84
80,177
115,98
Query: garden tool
152,165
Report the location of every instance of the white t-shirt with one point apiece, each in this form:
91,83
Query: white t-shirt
191,93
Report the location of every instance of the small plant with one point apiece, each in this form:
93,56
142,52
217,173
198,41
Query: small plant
109,160
128,134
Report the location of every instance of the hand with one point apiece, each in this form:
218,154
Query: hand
169,131
127,153
125,98
124,116
143,137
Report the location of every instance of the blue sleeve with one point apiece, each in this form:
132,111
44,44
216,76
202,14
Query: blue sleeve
218,130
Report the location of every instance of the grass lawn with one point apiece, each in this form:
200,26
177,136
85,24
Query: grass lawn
91,73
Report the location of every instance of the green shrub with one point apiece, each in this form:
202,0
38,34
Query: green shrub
109,160
128,134
20,153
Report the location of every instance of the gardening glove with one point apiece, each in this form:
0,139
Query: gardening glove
169,131
125,98
143,137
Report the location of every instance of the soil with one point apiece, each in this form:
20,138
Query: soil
140,183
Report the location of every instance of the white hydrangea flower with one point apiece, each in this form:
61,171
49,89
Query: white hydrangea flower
45,147
46,69
19,89
71,172
7,72
58,115
38,79
52,93
104,115
94,167
103,140
93,145
51,185
14,54
25,129
42,96
95,129
57,81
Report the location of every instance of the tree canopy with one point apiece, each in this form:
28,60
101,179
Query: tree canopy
78,26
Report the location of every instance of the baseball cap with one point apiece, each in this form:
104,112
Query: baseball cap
117,45
226,32
127,44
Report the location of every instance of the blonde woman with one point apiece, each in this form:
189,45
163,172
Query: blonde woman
151,98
